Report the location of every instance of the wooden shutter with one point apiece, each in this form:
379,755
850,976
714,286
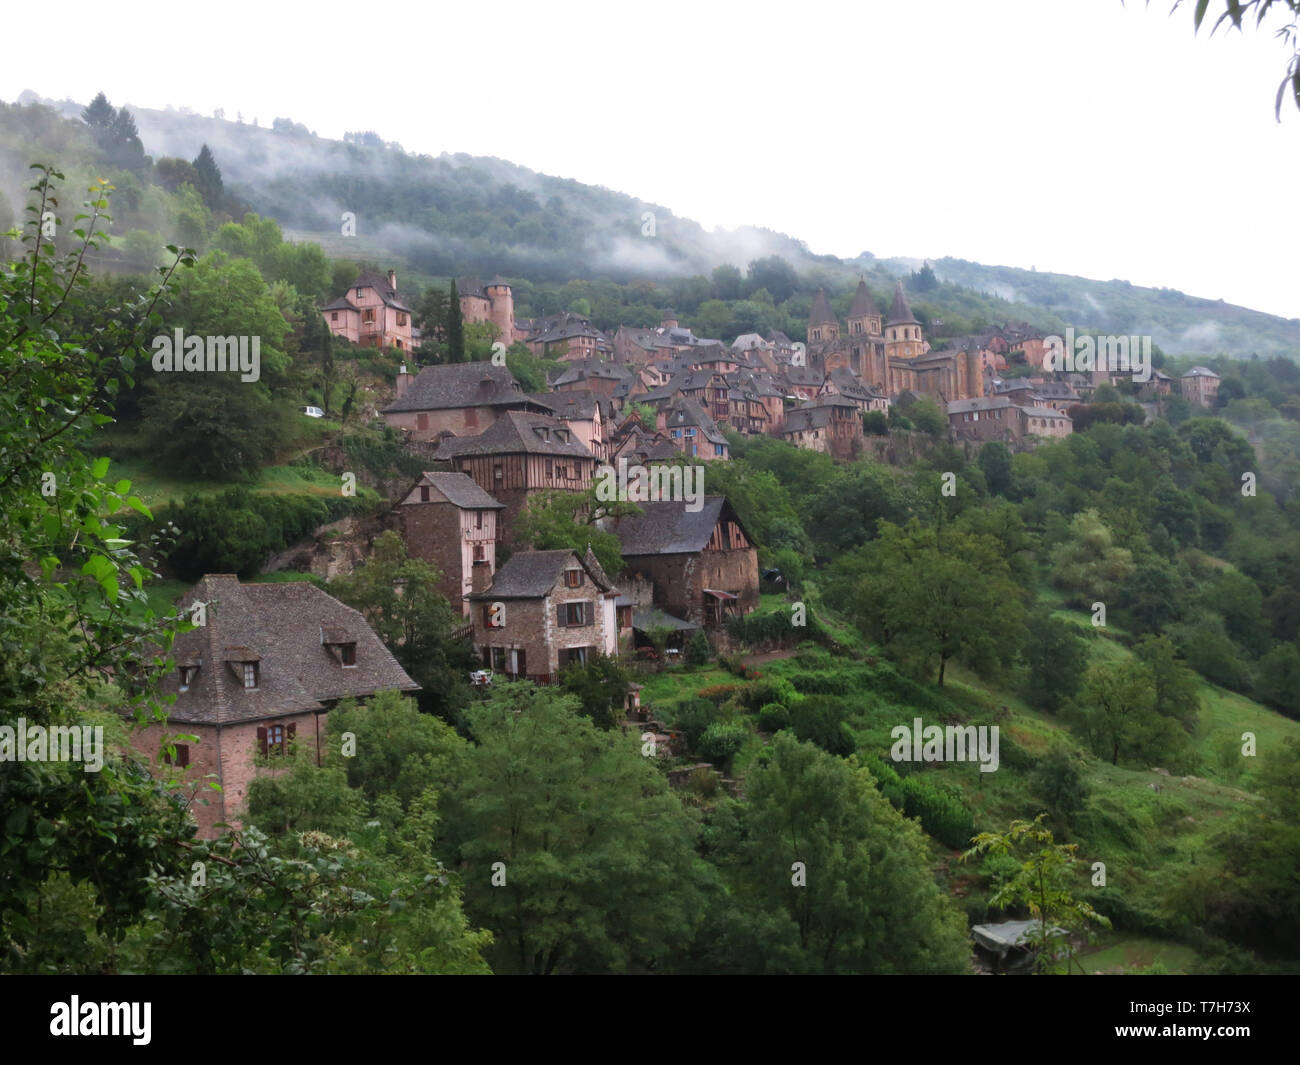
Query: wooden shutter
288,736
523,663
261,739
559,615
182,754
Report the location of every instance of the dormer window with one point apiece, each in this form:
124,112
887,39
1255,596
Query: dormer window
245,665
573,578
340,644
250,675
188,674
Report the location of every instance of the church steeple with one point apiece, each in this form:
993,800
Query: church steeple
902,332
864,318
822,323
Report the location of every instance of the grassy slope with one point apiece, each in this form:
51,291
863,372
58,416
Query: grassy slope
1149,838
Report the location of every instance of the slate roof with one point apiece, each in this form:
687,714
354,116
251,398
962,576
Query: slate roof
684,411
980,403
516,432
821,312
460,384
900,313
578,404
532,574
282,628
380,284
460,490
863,303
341,304
1200,371
668,528
649,618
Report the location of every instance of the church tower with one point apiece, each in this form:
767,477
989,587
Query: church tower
902,332
822,323
864,318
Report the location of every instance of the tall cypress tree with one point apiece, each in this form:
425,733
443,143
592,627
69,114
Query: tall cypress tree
455,326
211,187
99,114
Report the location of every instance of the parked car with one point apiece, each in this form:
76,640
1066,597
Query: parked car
312,412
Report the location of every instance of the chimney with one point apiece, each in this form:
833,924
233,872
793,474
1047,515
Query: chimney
480,578
392,280
403,381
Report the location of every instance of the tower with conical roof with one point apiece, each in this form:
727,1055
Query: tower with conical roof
903,338
822,323
864,317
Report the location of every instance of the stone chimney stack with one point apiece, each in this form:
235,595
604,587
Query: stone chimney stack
392,280
403,381
480,577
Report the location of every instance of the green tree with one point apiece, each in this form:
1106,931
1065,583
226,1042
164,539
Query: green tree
210,185
1044,885
596,855
400,600
1057,657
454,328
1088,565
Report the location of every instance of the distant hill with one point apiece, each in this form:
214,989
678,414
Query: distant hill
459,214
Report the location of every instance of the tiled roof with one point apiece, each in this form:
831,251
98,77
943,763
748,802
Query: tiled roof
900,313
380,284
460,384
460,490
668,528
517,432
283,628
532,574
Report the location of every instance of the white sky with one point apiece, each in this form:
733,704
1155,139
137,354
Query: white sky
1086,137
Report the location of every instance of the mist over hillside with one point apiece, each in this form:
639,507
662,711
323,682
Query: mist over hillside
457,213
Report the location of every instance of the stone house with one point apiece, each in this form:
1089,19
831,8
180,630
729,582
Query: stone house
703,565
543,611
1200,385
691,431
588,413
371,314
986,418
460,399
568,337
449,521
520,455
259,675
832,425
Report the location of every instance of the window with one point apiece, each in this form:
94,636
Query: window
493,619
348,655
572,614
562,472
274,739
573,578
478,519
359,292
571,656
188,673
334,316
401,319
480,553
424,493
368,316
250,675
498,472
498,661
550,467
182,758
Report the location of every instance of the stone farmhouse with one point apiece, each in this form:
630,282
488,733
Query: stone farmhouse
545,610
702,564
260,675
1200,385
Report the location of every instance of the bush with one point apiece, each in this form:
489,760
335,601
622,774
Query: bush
693,717
718,693
698,651
942,814
821,721
773,717
721,741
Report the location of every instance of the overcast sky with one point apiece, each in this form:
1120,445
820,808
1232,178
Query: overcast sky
1086,137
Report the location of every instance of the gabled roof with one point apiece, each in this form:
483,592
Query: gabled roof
578,404
1201,371
668,528
863,303
386,292
532,574
684,411
341,304
460,384
821,312
284,629
460,490
517,432
900,313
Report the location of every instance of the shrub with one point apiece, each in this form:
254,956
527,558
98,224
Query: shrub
821,721
693,717
698,651
718,693
721,741
773,717
942,814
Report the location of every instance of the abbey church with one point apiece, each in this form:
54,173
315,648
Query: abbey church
891,356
